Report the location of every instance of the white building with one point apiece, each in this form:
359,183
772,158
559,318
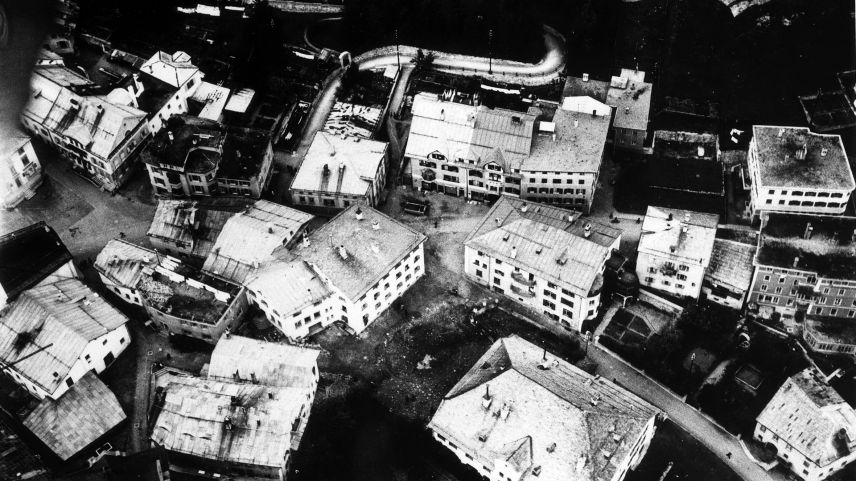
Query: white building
120,265
543,257
675,249
338,172
54,334
793,170
20,170
631,96
812,427
178,72
522,414
350,270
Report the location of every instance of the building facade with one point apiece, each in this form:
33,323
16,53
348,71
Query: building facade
793,170
675,249
120,266
506,253
729,274
630,96
20,170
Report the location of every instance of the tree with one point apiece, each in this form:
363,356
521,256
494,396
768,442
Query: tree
424,61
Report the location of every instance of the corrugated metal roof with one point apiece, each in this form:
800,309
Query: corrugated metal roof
288,286
52,324
29,256
272,364
191,223
123,262
82,415
731,263
577,147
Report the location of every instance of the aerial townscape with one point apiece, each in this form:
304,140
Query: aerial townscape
427,240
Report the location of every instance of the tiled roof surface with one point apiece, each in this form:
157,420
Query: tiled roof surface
572,425
372,252
678,233
47,329
731,263
350,165
29,256
779,166
86,412
123,262
272,364
809,414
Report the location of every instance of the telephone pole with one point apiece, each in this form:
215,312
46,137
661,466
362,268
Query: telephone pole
490,51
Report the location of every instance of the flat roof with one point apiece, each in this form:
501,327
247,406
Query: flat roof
825,165
576,86
186,293
827,111
122,262
678,233
829,252
29,256
338,165
631,97
682,145
832,329
244,153
577,146
195,144
687,174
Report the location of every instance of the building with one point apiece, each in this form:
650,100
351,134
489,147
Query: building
797,171
348,271
482,153
675,249
32,255
199,157
521,413
630,95
189,229
812,428
177,71
249,238
20,170
77,420
337,172
98,130
684,172
543,257
120,266
830,335
182,300
246,418
54,334
150,464
729,273
805,264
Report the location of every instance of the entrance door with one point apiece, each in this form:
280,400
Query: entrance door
108,359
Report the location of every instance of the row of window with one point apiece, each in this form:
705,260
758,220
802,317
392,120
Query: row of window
546,190
808,203
798,193
533,180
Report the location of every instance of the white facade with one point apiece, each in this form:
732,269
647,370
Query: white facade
673,274
127,294
20,173
805,469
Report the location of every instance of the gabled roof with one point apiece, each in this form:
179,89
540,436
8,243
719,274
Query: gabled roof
249,237
731,264
29,256
287,286
88,411
268,363
678,233
572,425
193,223
825,165
175,69
372,252
46,330
812,418
123,262
339,165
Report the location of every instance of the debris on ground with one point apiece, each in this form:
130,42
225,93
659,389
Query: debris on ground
425,363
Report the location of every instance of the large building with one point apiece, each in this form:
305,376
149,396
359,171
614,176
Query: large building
54,334
812,427
246,418
482,153
199,157
340,171
630,95
20,170
684,172
32,255
546,258
349,271
249,238
729,273
522,414
794,170
182,300
805,264
675,249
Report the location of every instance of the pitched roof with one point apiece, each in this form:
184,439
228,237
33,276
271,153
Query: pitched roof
271,364
47,329
249,237
569,423
193,223
830,252
86,412
577,147
288,286
372,252
825,164
810,416
678,233
13,139
336,165
193,419
29,256
554,249
174,69
731,263
631,97
123,262
469,133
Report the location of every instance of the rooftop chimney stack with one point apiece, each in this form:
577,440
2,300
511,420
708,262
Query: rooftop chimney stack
796,261
375,225
514,252
358,214
701,151
808,231
587,231
626,110
764,219
343,253
585,77
171,137
686,217
524,208
801,152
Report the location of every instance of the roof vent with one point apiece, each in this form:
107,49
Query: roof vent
536,470
524,208
626,110
538,249
514,252
357,213
701,151
505,236
796,261
483,437
343,253
585,77
516,119
375,225
587,231
551,447
576,123
824,151
808,231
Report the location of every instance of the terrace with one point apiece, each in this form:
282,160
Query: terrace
829,250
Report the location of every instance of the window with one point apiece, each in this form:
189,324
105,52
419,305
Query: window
69,382
549,304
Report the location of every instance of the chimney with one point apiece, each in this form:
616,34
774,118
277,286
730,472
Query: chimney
808,231
497,220
576,123
781,133
626,110
669,217
701,151
796,261
358,214
554,136
341,167
824,151
801,151
227,423
375,225
442,114
270,227
514,252
853,237
686,217
585,77
524,208
684,229
138,86
253,377
764,219
343,252
587,231
594,113
171,137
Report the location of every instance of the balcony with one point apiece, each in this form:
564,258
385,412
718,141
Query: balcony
522,292
521,279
